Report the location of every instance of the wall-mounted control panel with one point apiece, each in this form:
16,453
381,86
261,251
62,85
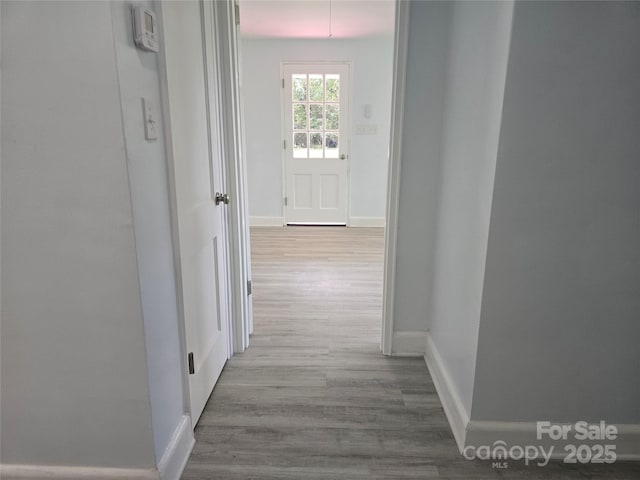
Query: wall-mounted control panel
145,28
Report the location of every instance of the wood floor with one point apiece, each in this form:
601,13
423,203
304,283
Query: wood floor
314,399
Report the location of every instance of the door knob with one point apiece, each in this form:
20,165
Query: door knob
222,198
343,156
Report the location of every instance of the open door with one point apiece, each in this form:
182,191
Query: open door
197,176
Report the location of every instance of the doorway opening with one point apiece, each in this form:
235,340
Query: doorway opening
317,115
368,112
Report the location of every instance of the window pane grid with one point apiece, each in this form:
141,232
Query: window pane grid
315,115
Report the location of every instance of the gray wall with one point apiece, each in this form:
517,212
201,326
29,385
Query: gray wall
370,84
478,53
0,234
138,75
90,346
561,307
420,165
74,377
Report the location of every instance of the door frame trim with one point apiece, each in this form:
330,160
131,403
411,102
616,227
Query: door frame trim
224,28
349,65
393,186
214,16
173,213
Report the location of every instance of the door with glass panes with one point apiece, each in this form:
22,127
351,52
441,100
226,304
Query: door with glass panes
316,143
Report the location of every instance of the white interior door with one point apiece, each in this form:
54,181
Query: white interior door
197,175
316,143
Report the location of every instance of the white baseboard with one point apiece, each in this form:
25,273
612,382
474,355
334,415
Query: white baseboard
266,221
170,467
485,433
408,344
177,453
451,402
480,433
367,222
49,472
259,221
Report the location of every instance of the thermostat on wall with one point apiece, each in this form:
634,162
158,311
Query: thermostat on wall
145,29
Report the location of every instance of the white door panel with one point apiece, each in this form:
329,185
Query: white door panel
197,173
316,141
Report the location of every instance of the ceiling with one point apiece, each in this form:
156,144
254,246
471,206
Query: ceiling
310,18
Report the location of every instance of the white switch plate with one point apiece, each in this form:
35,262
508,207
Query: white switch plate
150,121
367,129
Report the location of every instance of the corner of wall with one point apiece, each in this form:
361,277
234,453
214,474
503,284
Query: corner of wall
452,404
408,344
176,455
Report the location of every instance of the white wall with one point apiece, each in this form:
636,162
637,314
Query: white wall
138,76
560,321
74,375
371,84
478,54
89,318
429,26
536,293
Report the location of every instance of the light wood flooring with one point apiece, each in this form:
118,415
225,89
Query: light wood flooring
314,399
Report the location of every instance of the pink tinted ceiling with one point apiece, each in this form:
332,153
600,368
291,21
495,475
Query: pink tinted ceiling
311,19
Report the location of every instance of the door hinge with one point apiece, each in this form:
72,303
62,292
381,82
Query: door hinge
237,7
284,144
192,366
285,201
249,287
283,83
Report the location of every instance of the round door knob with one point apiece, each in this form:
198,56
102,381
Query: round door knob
222,198
343,156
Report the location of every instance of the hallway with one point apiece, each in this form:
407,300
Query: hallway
313,398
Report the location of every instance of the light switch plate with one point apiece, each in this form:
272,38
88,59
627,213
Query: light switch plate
367,129
150,122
